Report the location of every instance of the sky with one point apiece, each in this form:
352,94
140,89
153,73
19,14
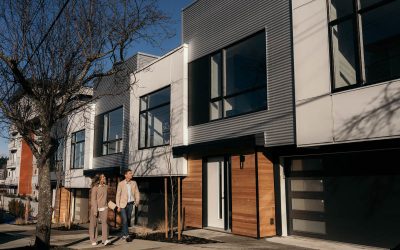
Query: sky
173,8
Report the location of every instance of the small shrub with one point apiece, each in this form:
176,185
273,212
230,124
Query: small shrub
160,226
16,208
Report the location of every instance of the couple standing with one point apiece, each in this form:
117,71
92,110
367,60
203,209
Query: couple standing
127,196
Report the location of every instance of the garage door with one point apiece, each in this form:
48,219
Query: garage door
352,197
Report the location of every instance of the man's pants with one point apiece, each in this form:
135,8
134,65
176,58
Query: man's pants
94,223
126,214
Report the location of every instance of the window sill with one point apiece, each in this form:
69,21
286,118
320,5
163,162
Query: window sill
158,146
365,86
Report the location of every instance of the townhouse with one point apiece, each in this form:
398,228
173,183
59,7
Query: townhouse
112,125
74,154
240,110
343,185
159,122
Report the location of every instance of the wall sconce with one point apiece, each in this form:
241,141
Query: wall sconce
242,159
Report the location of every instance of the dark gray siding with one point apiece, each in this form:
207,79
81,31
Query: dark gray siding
209,25
113,93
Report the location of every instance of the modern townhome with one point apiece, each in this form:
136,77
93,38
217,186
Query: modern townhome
344,184
159,123
240,112
112,124
75,153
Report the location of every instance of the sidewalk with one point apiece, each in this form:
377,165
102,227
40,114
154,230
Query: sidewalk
12,236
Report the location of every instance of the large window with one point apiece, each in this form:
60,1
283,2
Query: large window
78,149
229,82
154,118
365,42
112,131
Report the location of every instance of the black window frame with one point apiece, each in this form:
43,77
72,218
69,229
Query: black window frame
107,142
355,17
146,110
74,142
223,96
56,160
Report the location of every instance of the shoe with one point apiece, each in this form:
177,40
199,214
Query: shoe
124,237
128,239
94,243
107,242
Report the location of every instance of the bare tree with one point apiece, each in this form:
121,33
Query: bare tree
51,53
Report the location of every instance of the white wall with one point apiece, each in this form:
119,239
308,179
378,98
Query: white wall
84,119
366,113
168,70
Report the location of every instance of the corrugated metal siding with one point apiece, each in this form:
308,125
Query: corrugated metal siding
109,100
210,25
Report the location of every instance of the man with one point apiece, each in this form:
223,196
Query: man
127,196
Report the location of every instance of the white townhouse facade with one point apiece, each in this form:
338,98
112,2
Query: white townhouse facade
158,116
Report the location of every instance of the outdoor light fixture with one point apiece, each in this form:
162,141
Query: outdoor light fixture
242,159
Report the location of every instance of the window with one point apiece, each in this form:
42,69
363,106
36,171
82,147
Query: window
365,42
58,162
154,124
112,131
13,158
229,82
78,149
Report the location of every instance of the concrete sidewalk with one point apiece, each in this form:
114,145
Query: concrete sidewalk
13,236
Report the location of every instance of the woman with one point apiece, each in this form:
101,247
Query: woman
98,202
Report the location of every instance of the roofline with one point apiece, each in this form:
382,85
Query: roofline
184,8
160,58
145,54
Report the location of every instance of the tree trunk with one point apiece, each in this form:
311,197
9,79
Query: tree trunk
43,226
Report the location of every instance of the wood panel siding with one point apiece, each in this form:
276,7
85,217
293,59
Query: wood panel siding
244,204
62,205
266,196
192,195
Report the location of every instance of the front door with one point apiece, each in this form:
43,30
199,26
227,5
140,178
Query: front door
215,192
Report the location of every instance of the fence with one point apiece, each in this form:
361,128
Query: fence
4,200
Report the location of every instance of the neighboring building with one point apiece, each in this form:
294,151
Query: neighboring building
3,176
240,111
71,199
158,119
14,166
112,124
344,183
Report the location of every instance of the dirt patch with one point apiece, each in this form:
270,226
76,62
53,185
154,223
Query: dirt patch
72,228
185,239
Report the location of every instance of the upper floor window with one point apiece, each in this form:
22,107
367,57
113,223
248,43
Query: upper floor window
78,149
229,82
58,163
154,118
365,42
112,132
13,158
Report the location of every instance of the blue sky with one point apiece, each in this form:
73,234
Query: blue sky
172,8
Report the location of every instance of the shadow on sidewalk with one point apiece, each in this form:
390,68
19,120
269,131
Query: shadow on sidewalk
8,236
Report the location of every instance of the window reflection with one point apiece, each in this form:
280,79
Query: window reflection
112,132
374,44
78,149
155,121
